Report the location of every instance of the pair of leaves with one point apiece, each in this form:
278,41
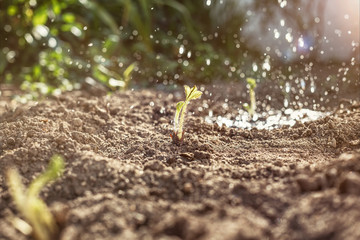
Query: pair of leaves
190,94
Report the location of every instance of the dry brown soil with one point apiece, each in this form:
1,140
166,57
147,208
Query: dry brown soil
125,179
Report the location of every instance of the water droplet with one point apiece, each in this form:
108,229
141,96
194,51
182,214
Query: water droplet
286,103
181,49
301,42
289,37
276,34
282,3
312,87
254,67
287,87
189,54
40,31
282,22
266,65
76,31
29,38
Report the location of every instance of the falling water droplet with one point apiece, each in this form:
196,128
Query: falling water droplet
312,87
287,87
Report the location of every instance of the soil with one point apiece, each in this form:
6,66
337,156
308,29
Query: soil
126,179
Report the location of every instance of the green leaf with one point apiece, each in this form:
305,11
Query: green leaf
40,16
56,7
68,17
187,91
108,72
128,71
145,10
66,27
179,106
12,10
186,15
192,93
111,44
16,187
36,71
195,95
139,18
102,14
3,62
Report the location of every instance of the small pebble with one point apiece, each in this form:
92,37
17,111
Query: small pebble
10,141
77,122
163,120
188,188
350,184
155,165
187,155
306,183
332,143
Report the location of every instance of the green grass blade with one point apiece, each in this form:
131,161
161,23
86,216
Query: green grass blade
103,15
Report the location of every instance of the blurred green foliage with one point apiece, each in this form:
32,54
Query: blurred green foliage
48,45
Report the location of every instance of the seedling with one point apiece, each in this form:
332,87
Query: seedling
251,109
112,79
33,209
190,94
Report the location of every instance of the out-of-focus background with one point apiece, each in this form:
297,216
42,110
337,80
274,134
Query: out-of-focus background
53,46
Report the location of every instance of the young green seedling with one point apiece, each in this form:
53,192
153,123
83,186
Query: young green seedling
190,94
251,109
28,203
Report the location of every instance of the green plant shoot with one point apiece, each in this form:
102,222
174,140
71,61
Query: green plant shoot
127,74
190,94
251,109
112,79
28,203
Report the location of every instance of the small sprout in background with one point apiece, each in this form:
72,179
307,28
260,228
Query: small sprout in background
190,94
38,219
112,79
251,109
127,75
